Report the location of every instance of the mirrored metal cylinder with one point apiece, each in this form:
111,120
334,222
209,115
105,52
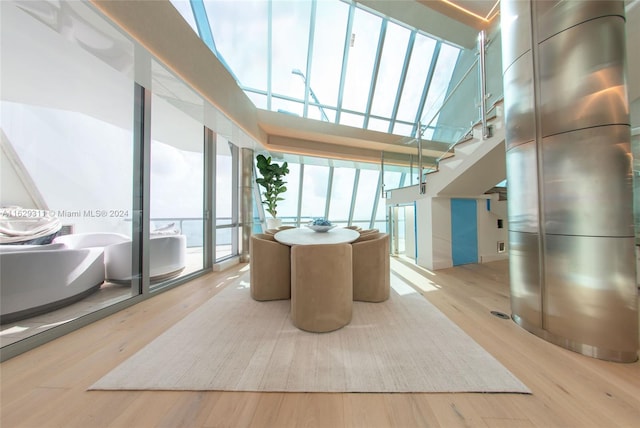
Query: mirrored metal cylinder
569,170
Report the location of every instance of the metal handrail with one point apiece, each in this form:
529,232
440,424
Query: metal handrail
421,127
467,135
448,97
483,86
485,114
483,43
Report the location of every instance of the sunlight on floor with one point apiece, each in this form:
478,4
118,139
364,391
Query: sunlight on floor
400,286
416,266
409,274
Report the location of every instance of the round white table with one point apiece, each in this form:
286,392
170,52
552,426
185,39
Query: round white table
306,236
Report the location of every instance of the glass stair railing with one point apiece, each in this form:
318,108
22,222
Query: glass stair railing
463,107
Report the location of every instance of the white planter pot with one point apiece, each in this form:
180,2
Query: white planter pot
273,223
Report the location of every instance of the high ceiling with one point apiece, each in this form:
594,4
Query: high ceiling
475,13
446,20
356,65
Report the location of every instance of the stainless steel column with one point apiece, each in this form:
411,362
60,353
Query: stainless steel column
246,202
572,265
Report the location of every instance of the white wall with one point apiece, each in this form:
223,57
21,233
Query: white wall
424,243
441,229
488,233
409,231
433,222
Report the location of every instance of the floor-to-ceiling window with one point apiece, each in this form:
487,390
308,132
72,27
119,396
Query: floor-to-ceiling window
78,151
392,179
288,208
366,193
345,192
72,152
314,195
67,150
226,211
176,179
341,194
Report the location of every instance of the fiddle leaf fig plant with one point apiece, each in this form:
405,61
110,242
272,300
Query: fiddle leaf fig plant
272,181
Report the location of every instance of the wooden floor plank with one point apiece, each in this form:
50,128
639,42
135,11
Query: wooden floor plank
232,409
47,387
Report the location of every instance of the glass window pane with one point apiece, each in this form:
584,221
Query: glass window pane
290,46
440,83
427,134
288,208
224,197
390,72
350,119
380,220
378,125
416,77
314,192
362,55
224,181
258,100
367,186
66,115
403,129
240,31
315,112
177,167
381,226
341,193
287,107
361,224
328,46
391,180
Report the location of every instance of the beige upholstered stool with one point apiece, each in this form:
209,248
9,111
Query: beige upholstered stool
285,227
371,274
270,268
274,231
321,287
367,234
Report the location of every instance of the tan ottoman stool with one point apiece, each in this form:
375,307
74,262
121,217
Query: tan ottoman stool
321,286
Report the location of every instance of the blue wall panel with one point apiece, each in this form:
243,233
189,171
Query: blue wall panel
464,231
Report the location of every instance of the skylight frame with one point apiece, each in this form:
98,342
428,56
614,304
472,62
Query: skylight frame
374,73
403,78
308,101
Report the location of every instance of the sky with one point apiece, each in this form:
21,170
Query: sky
316,47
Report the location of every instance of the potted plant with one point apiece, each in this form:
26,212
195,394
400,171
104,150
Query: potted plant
274,185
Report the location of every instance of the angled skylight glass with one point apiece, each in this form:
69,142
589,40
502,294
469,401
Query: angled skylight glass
330,60
390,70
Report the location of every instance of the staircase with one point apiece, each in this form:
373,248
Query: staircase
477,165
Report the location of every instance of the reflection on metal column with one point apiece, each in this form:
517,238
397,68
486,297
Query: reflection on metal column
571,237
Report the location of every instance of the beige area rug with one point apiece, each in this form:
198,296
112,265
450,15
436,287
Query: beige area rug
233,343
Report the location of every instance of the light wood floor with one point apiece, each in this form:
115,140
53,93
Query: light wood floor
46,387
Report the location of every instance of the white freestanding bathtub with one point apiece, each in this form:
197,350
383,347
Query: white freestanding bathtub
167,253
35,279
167,258
92,239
